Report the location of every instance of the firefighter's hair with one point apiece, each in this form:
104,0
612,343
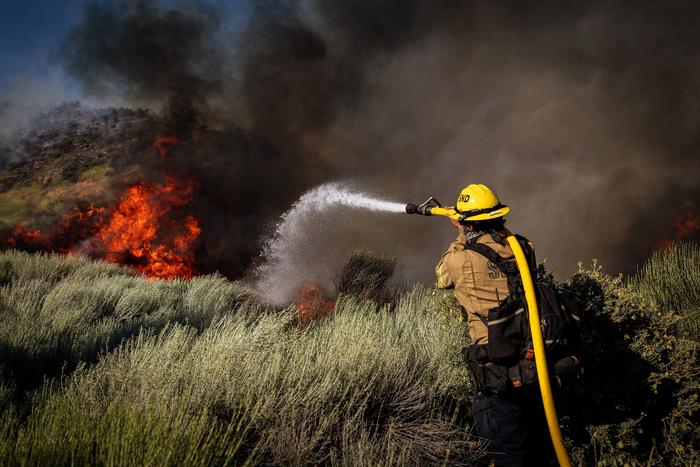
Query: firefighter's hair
490,225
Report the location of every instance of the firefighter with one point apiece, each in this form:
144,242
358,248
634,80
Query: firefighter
511,419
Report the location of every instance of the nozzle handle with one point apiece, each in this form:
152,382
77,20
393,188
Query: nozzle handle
440,211
424,208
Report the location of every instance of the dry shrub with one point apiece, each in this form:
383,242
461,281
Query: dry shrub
365,276
195,373
58,311
98,366
670,280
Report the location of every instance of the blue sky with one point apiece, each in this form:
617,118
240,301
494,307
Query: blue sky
29,31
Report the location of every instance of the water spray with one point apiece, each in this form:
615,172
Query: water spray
280,274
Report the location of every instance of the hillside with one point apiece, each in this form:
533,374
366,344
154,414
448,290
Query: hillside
73,161
68,155
100,366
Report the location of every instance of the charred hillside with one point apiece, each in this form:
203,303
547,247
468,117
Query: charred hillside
68,139
78,172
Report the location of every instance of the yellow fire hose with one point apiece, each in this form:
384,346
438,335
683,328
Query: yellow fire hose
540,358
433,208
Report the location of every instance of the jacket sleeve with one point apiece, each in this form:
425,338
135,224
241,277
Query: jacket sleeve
442,274
444,281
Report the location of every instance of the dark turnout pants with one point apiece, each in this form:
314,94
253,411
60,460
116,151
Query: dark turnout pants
516,427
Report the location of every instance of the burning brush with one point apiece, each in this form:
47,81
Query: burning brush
149,229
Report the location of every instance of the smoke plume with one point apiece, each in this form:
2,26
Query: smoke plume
582,116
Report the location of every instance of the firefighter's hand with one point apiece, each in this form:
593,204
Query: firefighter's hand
454,222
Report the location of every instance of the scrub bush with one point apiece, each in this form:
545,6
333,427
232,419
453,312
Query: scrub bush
365,276
80,309
670,280
637,403
196,372
99,366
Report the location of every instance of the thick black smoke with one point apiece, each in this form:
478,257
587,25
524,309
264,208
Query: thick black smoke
149,55
583,116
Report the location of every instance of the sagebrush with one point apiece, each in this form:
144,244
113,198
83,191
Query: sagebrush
197,372
102,367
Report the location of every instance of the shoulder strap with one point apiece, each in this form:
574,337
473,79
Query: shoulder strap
503,264
529,253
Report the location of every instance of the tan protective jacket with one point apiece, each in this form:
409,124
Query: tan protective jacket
478,283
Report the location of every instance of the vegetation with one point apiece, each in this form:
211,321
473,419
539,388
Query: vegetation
365,277
99,366
52,198
670,280
638,402
196,372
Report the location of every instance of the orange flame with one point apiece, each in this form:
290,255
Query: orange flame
148,230
21,236
162,142
685,225
142,232
73,227
312,304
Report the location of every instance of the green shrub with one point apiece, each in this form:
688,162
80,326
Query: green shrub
670,280
232,382
637,404
99,366
60,431
207,297
52,267
365,275
80,309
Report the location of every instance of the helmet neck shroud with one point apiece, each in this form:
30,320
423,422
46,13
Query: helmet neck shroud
490,225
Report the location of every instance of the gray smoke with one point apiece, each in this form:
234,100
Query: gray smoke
582,116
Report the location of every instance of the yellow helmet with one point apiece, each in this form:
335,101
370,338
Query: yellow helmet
479,203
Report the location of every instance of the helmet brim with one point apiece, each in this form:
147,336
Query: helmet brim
495,214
